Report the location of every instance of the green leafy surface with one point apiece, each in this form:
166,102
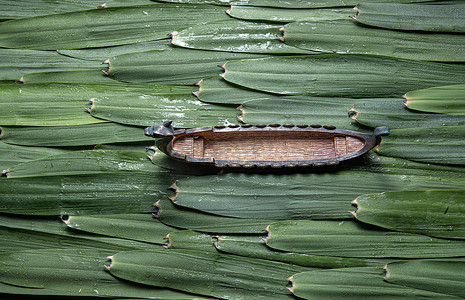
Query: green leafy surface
433,213
346,36
443,18
360,283
295,196
139,227
69,77
286,15
173,216
79,135
190,240
146,110
246,278
444,145
12,154
234,36
448,99
331,75
445,277
76,272
174,66
392,113
352,239
104,27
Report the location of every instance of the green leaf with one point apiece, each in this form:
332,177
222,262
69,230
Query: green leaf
85,76
331,75
175,66
448,99
440,145
255,247
354,283
79,272
234,36
346,36
352,239
15,63
286,15
190,240
416,212
446,277
173,216
138,227
103,53
192,271
78,135
12,154
301,110
295,196
443,18
145,110
104,27
392,113
217,90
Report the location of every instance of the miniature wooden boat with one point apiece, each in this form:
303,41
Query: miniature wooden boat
263,146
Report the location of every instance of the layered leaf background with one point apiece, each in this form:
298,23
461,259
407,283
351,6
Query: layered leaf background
89,208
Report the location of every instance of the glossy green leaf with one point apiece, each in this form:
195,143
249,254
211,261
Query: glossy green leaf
346,36
15,63
392,113
448,99
190,240
174,66
255,247
301,110
290,4
138,227
192,271
85,76
294,196
12,154
286,15
79,272
432,212
103,53
441,145
355,283
445,277
443,18
174,216
217,90
353,239
234,36
104,27
145,110
330,75
79,135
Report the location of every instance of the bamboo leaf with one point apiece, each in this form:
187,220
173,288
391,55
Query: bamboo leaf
443,145
138,227
85,76
234,36
12,154
294,196
359,283
443,99
79,272
104,27
15,63
331,75
176,66
346,36
255,247
191,271
286,15
392,113
442,18
190,240
78,135
416,212
444,277
146,110
352,239
195,220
